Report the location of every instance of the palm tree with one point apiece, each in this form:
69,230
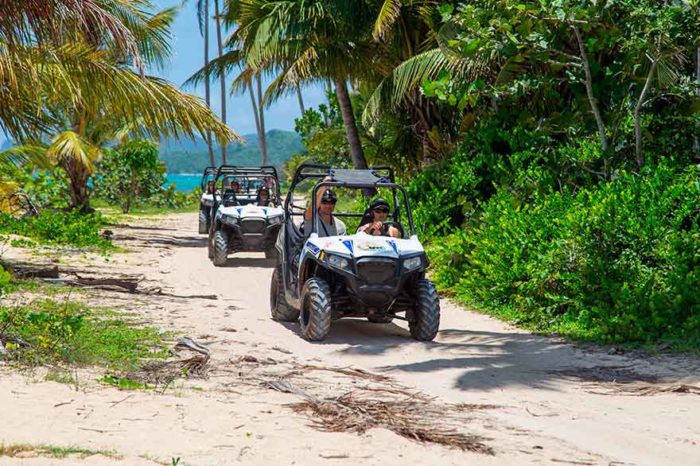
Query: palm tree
221,74
84,89
203,17
307,42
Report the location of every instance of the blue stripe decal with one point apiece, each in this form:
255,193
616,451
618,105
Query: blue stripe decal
313,248
393,245
348,244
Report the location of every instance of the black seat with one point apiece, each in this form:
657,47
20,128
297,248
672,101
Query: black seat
228,199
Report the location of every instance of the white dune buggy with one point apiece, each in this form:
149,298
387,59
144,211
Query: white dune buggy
239,222
322,278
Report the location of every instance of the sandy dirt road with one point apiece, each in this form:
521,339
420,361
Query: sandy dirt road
528,399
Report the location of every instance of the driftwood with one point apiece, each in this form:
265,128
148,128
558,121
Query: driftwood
33,271
111,284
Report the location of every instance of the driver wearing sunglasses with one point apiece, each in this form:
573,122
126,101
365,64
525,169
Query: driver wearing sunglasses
377,224
329,225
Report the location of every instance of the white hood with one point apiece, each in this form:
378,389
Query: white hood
363,245
249,210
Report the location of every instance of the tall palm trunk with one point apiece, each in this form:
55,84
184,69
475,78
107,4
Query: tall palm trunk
78,175
256,115
301,101
221,75
356,153
261,110
207,89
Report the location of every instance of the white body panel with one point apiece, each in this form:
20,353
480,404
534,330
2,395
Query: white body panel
249,211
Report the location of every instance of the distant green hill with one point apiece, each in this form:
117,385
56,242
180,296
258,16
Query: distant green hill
190,156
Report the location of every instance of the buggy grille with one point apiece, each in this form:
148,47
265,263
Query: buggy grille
376,270
253,226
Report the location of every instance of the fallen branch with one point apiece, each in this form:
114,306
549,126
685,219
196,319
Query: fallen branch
111,284
33,271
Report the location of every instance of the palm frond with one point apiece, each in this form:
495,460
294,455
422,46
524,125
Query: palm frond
390,10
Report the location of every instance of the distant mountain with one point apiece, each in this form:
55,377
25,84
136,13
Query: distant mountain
191,156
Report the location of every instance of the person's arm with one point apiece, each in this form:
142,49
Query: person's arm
319,195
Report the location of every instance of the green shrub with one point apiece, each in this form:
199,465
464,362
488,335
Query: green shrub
63,228
130,173
615,262
68,332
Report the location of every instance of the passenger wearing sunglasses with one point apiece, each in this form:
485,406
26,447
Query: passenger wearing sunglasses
329,225
375,223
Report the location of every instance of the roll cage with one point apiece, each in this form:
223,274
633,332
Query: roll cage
372,178
248,173
208,174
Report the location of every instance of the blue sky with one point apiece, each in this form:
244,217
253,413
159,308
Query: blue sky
188,57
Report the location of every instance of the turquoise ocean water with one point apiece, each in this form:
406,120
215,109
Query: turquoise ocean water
184,183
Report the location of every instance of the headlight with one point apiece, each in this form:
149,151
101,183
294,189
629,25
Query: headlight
338,262
229,220
413,263
275,220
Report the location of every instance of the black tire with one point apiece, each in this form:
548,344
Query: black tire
380,319
315,313
210,244
279,308
426,317
271,253
203,220
220,248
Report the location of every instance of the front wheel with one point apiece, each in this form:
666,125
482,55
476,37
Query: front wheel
426,318
220,248
279,308
315,315
203,220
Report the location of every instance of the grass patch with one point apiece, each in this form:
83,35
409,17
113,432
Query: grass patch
60,376
124,383
59,228
51,332
53,451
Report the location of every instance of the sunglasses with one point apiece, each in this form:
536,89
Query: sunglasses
328,202
381,210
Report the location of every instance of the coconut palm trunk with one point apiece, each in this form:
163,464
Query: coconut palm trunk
207,88
301,101
221,74
78,175
356,153
263,136
256,115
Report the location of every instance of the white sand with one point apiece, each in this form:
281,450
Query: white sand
542,418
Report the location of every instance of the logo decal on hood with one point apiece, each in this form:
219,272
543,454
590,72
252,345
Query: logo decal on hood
392,243
348,244
371,246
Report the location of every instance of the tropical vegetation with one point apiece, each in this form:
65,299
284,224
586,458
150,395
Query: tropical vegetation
550,147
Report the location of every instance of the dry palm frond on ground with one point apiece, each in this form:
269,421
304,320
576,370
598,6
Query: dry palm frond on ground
424,421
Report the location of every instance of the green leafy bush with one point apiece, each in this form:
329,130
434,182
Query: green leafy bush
616,262
63,228
130,173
